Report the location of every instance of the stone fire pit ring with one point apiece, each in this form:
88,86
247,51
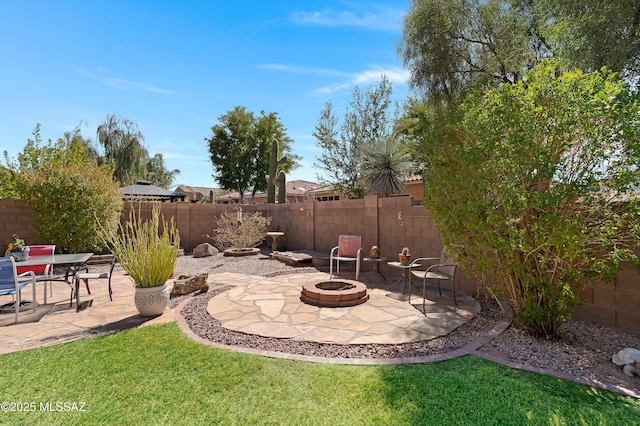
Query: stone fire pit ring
334,293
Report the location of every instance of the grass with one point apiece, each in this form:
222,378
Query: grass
157,375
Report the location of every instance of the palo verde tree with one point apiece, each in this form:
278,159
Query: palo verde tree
240,148
533,190
368,120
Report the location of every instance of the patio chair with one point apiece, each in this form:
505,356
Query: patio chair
86,276
11,283
347,250
46,271
442,270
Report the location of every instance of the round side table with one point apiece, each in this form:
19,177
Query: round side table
376,266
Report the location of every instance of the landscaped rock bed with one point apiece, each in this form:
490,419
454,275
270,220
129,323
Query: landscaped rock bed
585,349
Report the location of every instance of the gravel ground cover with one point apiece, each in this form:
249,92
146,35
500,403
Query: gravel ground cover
584,350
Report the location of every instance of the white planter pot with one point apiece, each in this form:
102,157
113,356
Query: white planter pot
152,301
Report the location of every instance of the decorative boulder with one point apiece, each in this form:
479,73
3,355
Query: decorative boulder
205,250
186,284
629,360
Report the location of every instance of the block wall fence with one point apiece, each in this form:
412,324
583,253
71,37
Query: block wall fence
390,223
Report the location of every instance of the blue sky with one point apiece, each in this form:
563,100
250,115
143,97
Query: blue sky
174,67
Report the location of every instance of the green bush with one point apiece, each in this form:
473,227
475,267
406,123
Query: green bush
68,201
530,189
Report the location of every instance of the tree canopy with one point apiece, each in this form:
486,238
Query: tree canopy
455,46
67,191
240,147
367,121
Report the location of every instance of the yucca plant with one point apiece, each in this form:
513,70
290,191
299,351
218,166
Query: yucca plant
383,165
147,250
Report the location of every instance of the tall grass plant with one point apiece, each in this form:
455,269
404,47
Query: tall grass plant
146,249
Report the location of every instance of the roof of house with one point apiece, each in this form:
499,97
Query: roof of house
295,188
196,193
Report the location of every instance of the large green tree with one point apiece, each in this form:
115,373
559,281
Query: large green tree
123,149
240,146
158,174
455,46
530,189
368,120
121,143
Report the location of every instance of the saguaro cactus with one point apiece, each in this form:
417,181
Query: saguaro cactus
273,171
282,188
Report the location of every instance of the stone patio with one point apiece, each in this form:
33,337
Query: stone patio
255,305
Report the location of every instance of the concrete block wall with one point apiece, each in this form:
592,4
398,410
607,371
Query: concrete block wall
390,223
16,218
616,303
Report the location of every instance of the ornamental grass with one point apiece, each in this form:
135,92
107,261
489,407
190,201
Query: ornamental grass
146,249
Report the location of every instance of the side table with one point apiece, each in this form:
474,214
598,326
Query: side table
405,273
376,266
274,239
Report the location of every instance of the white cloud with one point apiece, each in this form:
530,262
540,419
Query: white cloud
304,70
396,75
374,18
101,74
372,76
120,83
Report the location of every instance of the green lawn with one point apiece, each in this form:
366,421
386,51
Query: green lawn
157,375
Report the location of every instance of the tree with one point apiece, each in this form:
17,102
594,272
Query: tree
158,174
240,146
366,121
70,149
69,194
455,46
121,141
71,202
594,34
529,189
452,47
384,165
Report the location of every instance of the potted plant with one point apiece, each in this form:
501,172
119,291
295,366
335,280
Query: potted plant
374,252
405,257
147,250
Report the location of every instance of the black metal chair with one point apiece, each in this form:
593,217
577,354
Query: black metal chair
442,270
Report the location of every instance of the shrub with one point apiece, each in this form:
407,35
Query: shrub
70,203
228,234
527,190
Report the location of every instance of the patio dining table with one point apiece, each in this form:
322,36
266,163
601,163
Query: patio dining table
69,262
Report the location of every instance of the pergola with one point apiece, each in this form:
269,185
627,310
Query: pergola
144,191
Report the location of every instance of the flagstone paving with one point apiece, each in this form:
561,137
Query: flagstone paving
271,307
254,305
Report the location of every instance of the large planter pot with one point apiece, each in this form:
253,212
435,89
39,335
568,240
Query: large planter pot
151,301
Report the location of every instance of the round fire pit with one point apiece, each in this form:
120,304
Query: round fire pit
334,293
